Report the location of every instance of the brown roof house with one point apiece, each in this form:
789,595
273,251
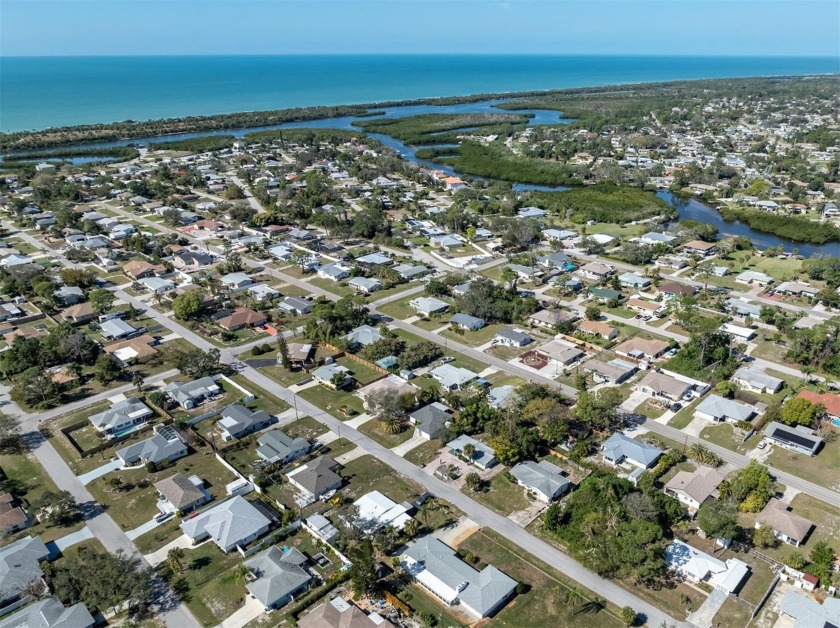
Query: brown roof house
13,518
180,493
79,313
338,613
639,349
140,269
240,318
787,526
132,350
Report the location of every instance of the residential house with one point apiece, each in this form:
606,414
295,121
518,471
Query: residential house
744,334
338,613
619,448
234,282
276,446
698,247
558,259
238,421
20,566
190,395
277,576
633,280
131,351
596,271
483,456
597,328
698,567
829,401
158,285
374,511
645,308
797,289
296,306
787,526
452,377
614,372
513,338
392,385
49,613
546,480
639,349
410,272
178,493
800,611
192,260
141,269
755,379
437,568
534,213
428,305
68,295
363,336
558,235
751,277
743,309
430,420
800,439
694,488
664,387
262,292
501,396
300,354
235,522
116,329
316,478
374,259
121,417
467,322
321,527
604,295
718,409
79,313
652,237
164,446
549,319
560,353
240,318
335,272
365,285
332,375
673,290
525,273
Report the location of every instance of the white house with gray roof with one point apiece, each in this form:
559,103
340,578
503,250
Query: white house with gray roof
756,380
800,611
547,481
452,377
437,568
716,408
428,305
363,336
20,566
619,448
115,329
509,337
122,417
365,284
483,455
466,321
188,395
238,421
430,420
233,522
277,576
277,446
50,613
164,446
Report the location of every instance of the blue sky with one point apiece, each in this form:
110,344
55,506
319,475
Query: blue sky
200,27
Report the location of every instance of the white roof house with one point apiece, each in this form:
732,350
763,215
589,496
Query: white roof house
437,567
717,408
121,416
374,511
428,305
546,480
234,522
755,379
452,377
698,566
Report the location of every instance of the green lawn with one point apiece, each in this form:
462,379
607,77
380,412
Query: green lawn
361,373
28,481
373,430
684,416
333,400
265,400
160,536
544,605
307,428
336,287
474,338
134,503
501,495
284,377
213,593
650,409
423,454
367,474
822,469
723,435
422,602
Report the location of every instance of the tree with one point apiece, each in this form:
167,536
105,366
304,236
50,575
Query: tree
469,451
175,559
101,300
628,615
473,481
58,508
822,561
718,520
107,368
233,193
795,560
283,352
35,387
799,411
363,568
593,313
751,487
411,528
197,363
391,423
764,537
81,278
726,389
187,305
10,440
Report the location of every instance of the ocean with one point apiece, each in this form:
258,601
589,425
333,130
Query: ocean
41,92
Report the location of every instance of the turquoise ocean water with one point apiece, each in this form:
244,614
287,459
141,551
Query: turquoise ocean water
39,92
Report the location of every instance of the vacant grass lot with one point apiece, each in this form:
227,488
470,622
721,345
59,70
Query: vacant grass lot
333,400
724,435
425,453
213,591
474,338
373,430
822,469
307,428
367,474
544,605
501,495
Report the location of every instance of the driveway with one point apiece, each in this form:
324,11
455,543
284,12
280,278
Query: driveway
252,609
703,616
633,401
71,539
403,448
456,533
98,472
142,529
158,556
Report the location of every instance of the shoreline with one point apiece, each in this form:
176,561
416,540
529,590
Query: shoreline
100,133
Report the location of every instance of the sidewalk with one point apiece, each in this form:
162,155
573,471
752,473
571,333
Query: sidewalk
98,472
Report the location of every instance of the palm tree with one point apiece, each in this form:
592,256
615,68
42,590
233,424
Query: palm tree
573,596
469,451
175,558
390,424
240,573
411,528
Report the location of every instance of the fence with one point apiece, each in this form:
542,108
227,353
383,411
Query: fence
268,540
107,444
762,601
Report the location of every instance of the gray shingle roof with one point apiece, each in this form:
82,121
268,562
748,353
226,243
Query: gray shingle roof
725,409
280,574
49,613
227,523
431,418
164,445
19,565
619,446
277,445
541,476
